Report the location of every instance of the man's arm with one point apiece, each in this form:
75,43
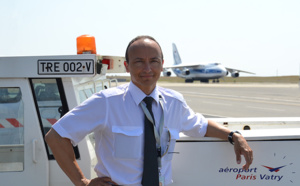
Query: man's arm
241,146
64,154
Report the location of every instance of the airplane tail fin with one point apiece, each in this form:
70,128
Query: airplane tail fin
177,59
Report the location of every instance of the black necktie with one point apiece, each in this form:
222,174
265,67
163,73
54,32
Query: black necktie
150,173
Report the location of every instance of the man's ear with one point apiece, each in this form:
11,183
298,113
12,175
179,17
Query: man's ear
162,65
126,66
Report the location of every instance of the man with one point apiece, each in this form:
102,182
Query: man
117,116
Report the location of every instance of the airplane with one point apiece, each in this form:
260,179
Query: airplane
274,169
202,72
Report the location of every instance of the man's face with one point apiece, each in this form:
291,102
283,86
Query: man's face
145,64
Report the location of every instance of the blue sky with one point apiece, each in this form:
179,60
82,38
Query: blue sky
261,36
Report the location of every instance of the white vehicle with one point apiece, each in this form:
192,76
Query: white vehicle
200,71
36,91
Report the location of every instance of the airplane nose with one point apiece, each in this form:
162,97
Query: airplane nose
224,72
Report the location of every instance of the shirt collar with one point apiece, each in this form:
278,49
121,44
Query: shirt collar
138,95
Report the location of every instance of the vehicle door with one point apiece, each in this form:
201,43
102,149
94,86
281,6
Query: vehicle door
23,156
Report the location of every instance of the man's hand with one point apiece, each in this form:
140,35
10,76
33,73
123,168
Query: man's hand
241,147
105,181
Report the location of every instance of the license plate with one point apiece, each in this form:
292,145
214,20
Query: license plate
65,67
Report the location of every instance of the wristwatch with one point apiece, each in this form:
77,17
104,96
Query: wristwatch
230,136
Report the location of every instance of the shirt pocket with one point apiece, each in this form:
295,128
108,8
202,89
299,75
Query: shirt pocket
127,142
174,136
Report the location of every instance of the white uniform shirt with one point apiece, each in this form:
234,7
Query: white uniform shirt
117,120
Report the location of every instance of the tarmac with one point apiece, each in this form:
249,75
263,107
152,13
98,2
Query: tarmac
240,100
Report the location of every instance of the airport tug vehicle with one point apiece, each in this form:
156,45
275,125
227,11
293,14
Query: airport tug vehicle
35,91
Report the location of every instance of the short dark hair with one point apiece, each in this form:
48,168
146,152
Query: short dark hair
141,37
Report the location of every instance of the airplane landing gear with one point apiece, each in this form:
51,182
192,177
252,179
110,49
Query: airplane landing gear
216,81
204,81
189,80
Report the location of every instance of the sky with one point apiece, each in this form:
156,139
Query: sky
260,36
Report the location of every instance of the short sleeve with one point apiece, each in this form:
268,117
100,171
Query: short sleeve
83,119
193,124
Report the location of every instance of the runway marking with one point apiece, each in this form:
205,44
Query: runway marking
213,116
238,98
226,104
259,98
280,110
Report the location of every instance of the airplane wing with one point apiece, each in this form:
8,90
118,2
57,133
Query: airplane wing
183,66
231,70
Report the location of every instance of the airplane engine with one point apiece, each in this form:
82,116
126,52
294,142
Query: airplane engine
186,72
167,73
235,74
